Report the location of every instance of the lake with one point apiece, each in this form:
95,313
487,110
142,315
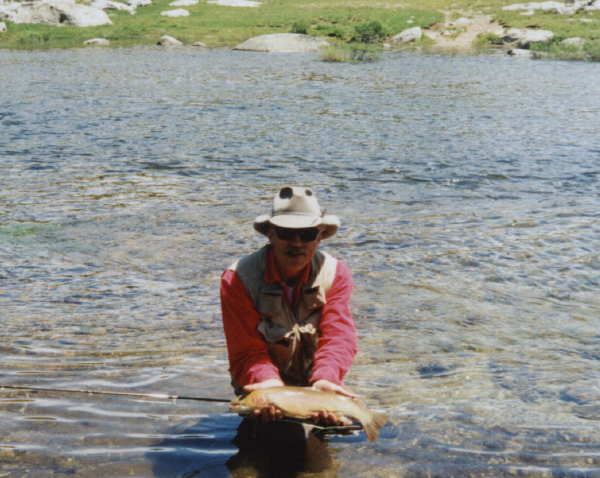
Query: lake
469,193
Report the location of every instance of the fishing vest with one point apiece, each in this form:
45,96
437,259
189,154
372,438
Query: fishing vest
291,331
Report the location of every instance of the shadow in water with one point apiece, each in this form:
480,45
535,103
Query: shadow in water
214,448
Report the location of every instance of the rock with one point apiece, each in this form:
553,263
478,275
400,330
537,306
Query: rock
97,42
557,7
183,3
178,12
576,42
55,12
593,6
112,5
235,3
283,43
199,44
462,22
2,27
30,13
139,3
408,35
80,15
520,53
525,36
167,40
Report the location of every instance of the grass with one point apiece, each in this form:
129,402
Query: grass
339,20
351,53
221,26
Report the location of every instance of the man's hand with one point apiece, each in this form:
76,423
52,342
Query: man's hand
268,413
325,417
327,386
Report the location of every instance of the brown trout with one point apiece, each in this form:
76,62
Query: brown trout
302,402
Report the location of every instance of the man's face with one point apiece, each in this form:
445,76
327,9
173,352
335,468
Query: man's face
293,248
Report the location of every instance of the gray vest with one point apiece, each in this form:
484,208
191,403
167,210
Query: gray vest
291,331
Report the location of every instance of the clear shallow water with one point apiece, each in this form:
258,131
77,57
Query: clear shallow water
469,194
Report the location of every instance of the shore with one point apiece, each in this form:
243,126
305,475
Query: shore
453,27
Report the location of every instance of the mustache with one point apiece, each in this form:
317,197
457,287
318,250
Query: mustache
294,250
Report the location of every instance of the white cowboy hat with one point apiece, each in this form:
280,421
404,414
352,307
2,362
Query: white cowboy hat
297,208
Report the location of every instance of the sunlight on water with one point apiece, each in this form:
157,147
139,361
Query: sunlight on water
469,194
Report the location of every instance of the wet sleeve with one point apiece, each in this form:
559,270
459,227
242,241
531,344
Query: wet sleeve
338,341
249,360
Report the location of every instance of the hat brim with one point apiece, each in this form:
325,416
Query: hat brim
328,223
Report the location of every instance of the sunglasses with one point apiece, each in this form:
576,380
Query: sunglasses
308,234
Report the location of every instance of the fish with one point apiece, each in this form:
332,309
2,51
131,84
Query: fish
302,402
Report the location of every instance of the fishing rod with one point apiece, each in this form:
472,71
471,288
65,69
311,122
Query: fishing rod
166,396
160,396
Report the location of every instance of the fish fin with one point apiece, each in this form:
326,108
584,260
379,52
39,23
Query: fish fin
372,426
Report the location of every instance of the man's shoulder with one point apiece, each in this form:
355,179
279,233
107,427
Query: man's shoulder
250,261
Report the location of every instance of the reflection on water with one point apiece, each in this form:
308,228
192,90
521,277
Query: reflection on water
469,194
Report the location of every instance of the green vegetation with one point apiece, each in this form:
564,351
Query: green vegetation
344,22
219,26
371,32
351,53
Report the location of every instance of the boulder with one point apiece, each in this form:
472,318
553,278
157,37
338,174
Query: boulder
81,15
2,27
408,35
7,11
38,12
461,22
283,43
97,42
199,44
525,36
568,8
112,5
593,6
178,12
55,12
235,3
139,3
168,40
183,3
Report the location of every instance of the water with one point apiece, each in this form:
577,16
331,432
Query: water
469,194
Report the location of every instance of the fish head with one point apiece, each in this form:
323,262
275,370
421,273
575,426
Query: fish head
240,405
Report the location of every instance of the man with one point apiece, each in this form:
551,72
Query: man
286,311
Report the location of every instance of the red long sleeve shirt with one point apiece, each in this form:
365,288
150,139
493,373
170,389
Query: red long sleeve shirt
249,360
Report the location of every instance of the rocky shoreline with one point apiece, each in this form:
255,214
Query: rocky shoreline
458,35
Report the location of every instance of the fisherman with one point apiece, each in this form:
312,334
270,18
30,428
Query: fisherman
286,307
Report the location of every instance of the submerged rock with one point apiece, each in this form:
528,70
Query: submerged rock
520,53
283,43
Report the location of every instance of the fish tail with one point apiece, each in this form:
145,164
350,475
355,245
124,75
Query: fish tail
373,424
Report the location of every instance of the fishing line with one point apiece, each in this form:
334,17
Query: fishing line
160,396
